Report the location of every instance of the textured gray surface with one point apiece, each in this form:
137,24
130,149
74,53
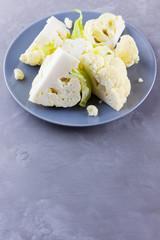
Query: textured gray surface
100,183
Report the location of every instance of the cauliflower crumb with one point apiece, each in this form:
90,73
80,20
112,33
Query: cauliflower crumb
100,101
92,110
140,80
68,22
18,74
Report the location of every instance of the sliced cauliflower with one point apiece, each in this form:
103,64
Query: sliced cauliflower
104,30
54,86
49,39
127,50
108,78
18,74
77,47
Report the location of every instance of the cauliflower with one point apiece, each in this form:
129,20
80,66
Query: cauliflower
104,30
58,83
108,78
92,110
49,39
68,22
77,46
127,50
18,74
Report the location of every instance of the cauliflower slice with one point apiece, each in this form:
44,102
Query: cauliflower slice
77,47
54,86
127,50
104,30
49,39
85,85
108,78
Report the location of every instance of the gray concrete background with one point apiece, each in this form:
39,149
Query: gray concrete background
59,183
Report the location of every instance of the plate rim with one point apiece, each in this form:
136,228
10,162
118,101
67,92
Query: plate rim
78,125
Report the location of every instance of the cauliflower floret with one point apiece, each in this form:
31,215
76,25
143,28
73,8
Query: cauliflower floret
49,39
104,30
127,50
77,47
54,86
18,74
108,78
68,22
92,111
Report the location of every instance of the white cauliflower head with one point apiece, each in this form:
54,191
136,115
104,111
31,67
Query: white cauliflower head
108,77
127,50
106,29
47,41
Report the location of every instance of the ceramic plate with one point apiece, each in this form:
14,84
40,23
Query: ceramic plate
77,116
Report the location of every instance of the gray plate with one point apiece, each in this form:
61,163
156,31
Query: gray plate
77,116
